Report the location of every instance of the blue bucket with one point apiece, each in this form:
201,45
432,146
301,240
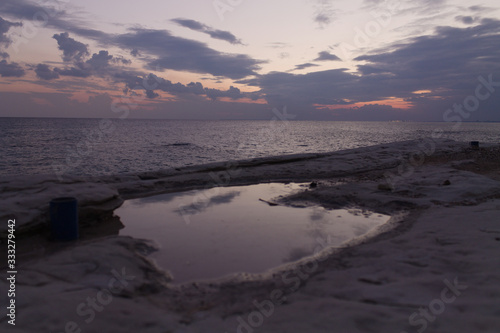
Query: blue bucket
64,219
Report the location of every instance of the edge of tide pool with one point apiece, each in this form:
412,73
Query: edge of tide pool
27,197
237,231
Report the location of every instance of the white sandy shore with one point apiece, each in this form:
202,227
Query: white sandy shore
439,250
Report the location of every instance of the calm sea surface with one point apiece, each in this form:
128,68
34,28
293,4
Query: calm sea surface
97,147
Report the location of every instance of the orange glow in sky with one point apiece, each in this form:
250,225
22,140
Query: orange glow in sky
243,100
397,103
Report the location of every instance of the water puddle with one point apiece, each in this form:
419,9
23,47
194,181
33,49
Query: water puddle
209,234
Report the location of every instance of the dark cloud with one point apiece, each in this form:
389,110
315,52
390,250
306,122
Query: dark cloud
4,28
5,40
27,10
151,94
159,47
323,18
78,71
326,56
11,70
479,9
304,66
72,49
232,92
100,60
447,63
103,64
216,34
45,73
447,60
151,83
182,54
466,19
305,90
135,53
324,13
100,64
191,24
121,61
51,14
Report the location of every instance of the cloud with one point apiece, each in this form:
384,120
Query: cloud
413,8
447,60
182,54
72,49
121,61
278,45
324,13
479,9
323,19
45,73
100,60
135,53
159,47
27,10
326,56
78,71
50,14
232,92
216,34
304,66
103,64
4,28
466,19
5,40
447,63
305,90
151,94
100,64
152,83
11,70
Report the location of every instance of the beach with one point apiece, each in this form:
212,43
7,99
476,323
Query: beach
433,267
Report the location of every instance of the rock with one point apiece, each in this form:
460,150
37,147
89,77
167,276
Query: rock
384,187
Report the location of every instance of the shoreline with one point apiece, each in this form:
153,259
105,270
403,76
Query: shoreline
444,226
27,197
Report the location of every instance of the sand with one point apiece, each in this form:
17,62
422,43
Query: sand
433,267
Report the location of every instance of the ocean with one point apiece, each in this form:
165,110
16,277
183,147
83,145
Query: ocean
96,147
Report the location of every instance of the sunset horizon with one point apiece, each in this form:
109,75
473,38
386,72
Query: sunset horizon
348,60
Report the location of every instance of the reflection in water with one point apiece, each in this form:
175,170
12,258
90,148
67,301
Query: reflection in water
201,204
231,230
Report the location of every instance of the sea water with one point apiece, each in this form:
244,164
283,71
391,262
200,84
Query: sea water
95,147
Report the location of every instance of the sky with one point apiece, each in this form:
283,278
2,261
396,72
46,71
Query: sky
370,60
